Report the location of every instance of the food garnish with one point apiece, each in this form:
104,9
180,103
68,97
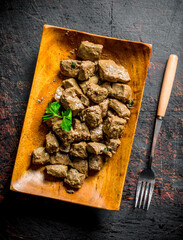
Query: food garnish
52,111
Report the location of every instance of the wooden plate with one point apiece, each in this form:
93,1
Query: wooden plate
103,190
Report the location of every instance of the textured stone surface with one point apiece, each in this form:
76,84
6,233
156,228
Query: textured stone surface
158,22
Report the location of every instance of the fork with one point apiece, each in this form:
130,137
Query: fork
146,181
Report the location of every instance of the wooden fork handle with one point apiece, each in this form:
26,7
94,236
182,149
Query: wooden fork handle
168,80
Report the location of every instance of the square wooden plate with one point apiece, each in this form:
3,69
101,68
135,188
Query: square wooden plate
103,190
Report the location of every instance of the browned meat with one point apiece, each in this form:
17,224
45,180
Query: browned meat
70,100
113,126
97,133
52,144
110,113
40,156
64,148
84,85
81,130
71,83
92,116
87,70
112,145
50,122
60,158
74,178
107,85
120,108
104,107
70,68
81,165
59,171
85,101
58,93
79,150
96,93
96,148
89,51
100,108
110,71
66,137
95,163
122,92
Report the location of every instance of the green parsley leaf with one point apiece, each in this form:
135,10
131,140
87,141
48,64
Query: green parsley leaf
51,111
76,182
67,113
73,64
105,150
66,124
67,120
131,103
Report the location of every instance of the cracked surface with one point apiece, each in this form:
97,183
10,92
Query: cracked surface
148,21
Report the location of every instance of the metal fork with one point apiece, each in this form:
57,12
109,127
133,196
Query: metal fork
146,181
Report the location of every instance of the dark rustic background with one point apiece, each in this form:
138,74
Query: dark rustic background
156,22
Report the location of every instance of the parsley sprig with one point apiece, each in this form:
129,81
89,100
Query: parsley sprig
67,120
73,64
131,103
52,111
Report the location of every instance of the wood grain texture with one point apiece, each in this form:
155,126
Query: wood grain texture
157,22
167,84
103,190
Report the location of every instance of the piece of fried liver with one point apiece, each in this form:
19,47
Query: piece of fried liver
89,51
110,71
40,156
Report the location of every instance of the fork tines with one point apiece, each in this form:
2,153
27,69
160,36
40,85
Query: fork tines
144,194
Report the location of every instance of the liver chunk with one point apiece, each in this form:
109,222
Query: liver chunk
70,68
89,51
120,108
110,71
81,165
85,101
65,137
71,82
92,116
58,93
64,148
112,145
114,126
74,178
81,130
70,100
95,163
40,156
97,133
60,158
107,85
50,122
96,148
84,85
52,144
96,93
83,98
122,92
104,107
87,70
59,171
79,150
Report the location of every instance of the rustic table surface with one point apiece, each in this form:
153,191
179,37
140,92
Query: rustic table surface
156,22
